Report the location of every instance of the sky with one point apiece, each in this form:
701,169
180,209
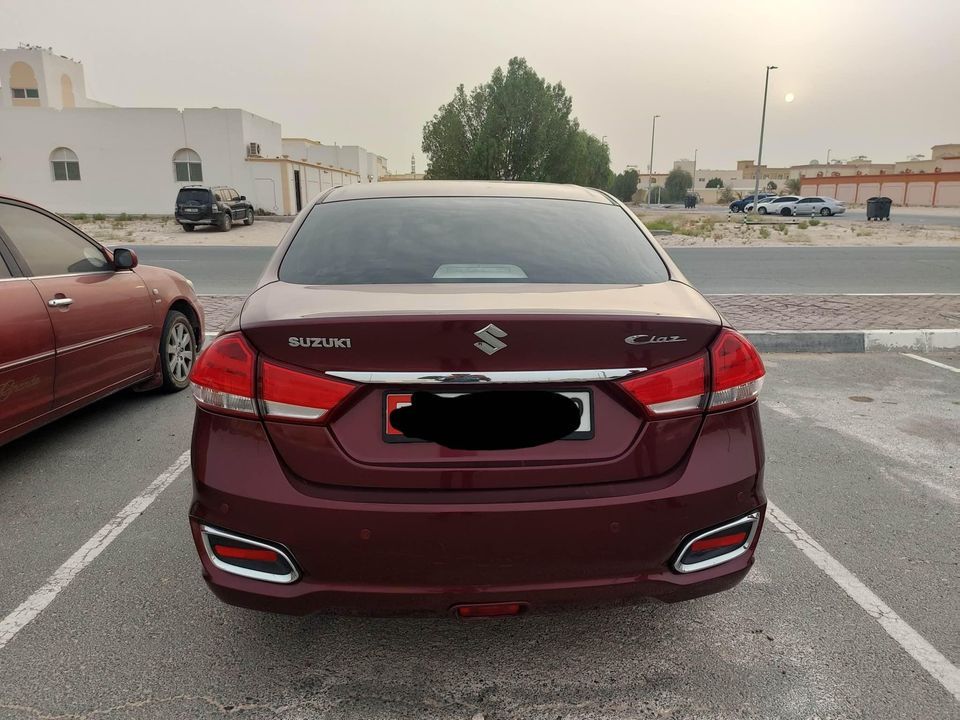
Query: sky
879,78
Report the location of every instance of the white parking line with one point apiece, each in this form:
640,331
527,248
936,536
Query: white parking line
928,361
929,658
30,608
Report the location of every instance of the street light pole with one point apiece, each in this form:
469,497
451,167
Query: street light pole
695,151
828,155
653,134
763,120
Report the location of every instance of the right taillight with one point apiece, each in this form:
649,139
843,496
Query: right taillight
225,379
737,371
734,377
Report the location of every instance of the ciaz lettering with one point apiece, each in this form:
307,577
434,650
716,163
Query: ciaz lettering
320,342
653,339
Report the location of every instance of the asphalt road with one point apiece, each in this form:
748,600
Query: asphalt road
861,454
763,270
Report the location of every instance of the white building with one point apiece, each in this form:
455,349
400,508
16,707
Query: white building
72,154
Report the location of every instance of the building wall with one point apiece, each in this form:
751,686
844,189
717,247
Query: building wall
49,70
921,190
367,166
126,155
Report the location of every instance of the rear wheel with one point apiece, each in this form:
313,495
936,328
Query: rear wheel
826,212
188,228
178,350
786,212
226,222
762,211
248,218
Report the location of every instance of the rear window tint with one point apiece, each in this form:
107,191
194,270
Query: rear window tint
197,196
488,239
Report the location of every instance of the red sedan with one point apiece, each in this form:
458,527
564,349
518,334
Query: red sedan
78,321
477,398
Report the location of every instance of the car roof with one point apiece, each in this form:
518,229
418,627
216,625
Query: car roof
465,188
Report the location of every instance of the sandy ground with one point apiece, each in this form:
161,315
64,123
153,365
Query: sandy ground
674,230
157,231
717,230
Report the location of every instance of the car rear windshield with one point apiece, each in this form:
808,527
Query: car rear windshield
469,239
193,195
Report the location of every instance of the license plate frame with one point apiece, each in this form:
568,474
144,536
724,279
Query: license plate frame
582,396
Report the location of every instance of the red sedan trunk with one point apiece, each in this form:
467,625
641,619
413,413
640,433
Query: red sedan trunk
315,491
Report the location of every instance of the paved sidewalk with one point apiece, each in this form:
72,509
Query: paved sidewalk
772,312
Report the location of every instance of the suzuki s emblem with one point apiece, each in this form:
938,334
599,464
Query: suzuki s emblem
489,339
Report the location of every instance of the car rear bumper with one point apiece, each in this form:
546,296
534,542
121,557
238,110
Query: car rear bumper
196,220
386,552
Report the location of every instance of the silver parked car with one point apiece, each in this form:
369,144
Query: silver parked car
778,205
818,206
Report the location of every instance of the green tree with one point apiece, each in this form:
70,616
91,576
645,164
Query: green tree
715,183
624,185
516,126
676,185
793,186
726,195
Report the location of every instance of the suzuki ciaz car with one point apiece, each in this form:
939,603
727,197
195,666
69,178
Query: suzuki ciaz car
474,398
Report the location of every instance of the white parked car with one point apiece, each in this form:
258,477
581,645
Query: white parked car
778,205
818,206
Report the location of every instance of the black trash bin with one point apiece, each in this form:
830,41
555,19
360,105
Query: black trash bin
878,208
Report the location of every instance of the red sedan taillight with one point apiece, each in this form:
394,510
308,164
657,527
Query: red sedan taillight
734,377
225,379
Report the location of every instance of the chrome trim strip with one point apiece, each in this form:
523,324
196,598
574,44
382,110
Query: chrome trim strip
497,376
71,275
290,577
27,360
103,339
13,279
753,518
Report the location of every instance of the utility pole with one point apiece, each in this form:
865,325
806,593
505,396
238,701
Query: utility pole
695,151
763,120
829,150
653,134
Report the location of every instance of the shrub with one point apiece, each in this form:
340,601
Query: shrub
803,224
79,216
123,217
99,216
764,233
814,222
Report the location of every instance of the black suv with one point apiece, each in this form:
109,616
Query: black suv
218,205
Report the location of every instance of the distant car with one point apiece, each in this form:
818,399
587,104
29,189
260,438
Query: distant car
79,322
217,205
740,205
502,420
778,205
819,205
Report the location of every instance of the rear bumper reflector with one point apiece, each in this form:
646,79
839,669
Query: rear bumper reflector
248,558
714,547
487,610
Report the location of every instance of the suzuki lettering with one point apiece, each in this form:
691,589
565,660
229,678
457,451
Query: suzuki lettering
319,342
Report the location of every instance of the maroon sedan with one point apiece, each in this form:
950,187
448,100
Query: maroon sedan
78,322
478,398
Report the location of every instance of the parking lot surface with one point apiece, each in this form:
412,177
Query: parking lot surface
861,459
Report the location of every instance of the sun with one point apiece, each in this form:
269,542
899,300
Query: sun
788,97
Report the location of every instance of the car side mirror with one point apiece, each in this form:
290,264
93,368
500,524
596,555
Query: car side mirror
243,197
124,259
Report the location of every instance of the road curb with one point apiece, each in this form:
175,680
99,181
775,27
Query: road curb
854,341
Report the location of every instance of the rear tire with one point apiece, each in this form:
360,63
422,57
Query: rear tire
825,212
178,351
187,228
786,212
226,222
762,211
248,218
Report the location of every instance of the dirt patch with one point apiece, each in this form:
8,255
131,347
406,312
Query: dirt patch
161,231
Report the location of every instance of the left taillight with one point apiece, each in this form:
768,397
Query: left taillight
289,394
225,378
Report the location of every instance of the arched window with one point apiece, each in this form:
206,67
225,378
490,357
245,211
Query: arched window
65,164
186,166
